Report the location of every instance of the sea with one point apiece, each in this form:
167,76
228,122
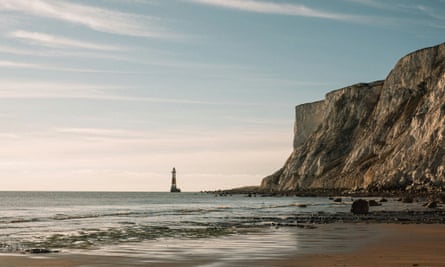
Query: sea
165,226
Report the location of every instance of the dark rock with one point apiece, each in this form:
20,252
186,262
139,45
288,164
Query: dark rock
360,206
442,198
39,251
383,200
408,199
337,199
431,204
373,203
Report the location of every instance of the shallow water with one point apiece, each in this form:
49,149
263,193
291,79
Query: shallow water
254,246
164,225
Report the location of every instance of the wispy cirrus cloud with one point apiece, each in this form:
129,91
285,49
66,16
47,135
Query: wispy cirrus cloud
39,66
65,90
103,133
431,12
98,19
422,7
32,51
300,10
21,65
37,89
55,90
93,54
58,41
275,8
370,3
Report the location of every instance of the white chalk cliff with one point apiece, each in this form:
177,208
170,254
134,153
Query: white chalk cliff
382,135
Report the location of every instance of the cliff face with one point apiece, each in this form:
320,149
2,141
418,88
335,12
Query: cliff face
383,135
307,119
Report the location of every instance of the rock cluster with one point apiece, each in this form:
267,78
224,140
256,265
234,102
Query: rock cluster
384,135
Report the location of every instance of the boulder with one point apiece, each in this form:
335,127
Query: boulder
360,206
408,199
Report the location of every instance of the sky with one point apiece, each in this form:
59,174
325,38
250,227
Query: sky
110,95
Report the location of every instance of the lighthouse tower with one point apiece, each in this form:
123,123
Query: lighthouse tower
173,188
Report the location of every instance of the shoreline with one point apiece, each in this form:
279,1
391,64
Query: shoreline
399,245
420,192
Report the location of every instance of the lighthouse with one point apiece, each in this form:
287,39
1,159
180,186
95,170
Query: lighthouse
173,188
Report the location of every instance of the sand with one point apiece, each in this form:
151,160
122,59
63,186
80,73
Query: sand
402,245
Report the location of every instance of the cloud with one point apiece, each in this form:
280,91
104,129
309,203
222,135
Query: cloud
24,65
8,135
13,64
102,133
38,66
54,90
124,142
32,51
98,19
58,41
275,8
412,8
370,3
48,90
431,12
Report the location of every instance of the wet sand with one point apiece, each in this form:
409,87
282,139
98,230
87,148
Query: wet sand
401,245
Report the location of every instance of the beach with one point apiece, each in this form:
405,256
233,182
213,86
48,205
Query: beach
400,245
196,229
